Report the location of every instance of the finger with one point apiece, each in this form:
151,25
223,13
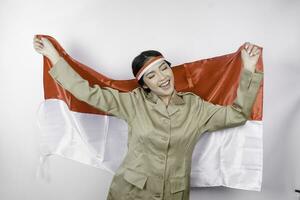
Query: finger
244,51
254,48
36,38
249,48
38,43
247,45
253,51
38,49
39,46
257,52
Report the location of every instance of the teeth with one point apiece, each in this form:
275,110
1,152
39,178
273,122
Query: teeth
165,84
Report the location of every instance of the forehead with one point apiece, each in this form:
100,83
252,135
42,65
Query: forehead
155,66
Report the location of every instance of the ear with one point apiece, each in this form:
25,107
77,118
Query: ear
145,86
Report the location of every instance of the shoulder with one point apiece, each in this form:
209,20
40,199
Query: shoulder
188,94
185,93
190,97
138,92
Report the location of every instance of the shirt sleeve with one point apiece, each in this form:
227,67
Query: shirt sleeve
214,116
112,101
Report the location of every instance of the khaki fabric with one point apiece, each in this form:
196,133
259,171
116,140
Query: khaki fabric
161,138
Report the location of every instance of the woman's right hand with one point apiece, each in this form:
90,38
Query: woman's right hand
46,48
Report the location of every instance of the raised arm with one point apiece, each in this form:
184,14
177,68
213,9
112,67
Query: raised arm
119,104
214,116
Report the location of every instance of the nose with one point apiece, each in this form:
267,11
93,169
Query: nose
162,77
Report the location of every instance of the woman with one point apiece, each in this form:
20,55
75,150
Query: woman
163,125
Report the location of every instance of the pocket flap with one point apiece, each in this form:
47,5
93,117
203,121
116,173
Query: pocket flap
136,178
177,184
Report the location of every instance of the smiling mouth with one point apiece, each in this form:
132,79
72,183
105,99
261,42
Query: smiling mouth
165,84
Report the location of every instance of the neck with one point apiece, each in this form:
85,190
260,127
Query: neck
166,99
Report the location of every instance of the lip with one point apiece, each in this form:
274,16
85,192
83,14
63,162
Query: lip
165,82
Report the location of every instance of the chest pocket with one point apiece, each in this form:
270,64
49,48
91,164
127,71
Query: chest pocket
178,186
135,178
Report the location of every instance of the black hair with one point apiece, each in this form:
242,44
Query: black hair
140,60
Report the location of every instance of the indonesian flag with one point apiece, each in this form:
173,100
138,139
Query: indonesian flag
231,157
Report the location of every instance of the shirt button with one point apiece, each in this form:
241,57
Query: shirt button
162,157
164,138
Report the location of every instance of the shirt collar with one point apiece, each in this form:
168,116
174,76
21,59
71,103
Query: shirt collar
175,98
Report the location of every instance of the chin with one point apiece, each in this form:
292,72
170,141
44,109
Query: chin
164,92
167,92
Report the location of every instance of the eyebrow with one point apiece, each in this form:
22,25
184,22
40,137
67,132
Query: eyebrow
153,71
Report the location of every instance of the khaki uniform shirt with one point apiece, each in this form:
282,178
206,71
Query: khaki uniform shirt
161,138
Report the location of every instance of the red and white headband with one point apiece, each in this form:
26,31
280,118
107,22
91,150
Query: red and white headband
150,64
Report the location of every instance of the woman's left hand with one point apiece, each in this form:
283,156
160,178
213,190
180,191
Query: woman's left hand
250,54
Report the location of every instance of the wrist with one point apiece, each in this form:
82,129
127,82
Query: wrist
250,68
54,58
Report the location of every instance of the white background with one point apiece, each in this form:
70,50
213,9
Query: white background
107,35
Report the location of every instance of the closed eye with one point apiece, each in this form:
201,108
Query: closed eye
164,68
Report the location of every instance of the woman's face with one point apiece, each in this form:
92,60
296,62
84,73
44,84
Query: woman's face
160,79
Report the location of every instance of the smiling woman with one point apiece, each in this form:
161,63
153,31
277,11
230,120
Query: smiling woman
154,74
161,138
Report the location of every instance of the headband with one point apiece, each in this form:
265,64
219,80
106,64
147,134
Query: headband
152,62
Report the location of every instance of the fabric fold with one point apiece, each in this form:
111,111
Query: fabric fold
75,130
